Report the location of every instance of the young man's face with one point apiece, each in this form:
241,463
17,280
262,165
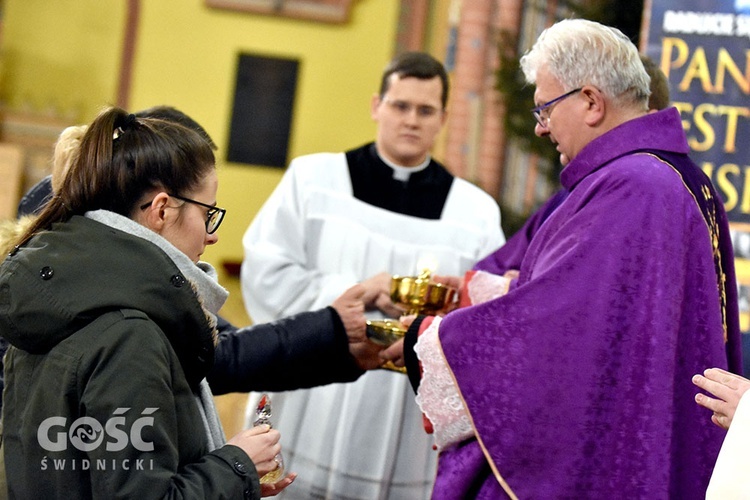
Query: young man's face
409,117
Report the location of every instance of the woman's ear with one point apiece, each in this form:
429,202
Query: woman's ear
154,216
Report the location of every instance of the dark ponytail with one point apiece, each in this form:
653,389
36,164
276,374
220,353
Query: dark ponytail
121,157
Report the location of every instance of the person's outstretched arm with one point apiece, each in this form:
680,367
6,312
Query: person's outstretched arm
305,350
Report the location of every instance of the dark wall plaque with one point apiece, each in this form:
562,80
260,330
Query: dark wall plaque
262,110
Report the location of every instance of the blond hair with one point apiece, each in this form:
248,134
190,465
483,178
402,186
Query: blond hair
67,148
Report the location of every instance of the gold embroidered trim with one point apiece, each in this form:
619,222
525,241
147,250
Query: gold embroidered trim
713,231
500,479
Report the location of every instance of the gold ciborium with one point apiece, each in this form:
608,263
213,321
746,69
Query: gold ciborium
417,295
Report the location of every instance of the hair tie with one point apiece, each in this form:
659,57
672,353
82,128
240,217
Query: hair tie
129,122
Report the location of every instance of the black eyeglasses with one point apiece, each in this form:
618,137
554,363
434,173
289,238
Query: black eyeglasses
214,215
541,117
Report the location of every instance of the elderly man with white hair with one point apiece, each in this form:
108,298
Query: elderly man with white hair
575,382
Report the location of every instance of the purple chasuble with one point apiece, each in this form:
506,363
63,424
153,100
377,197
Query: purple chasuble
578,381
510,255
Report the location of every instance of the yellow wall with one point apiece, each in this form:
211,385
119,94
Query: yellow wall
66,53
187,55
60,56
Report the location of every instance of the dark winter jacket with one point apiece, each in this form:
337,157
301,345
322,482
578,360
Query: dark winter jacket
302,351
305,350
108,345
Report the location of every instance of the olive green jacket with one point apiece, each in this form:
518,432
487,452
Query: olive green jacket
109,343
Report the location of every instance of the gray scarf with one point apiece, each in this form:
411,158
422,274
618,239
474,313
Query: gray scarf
212,295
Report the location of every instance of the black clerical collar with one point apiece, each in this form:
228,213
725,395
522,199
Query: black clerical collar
423,195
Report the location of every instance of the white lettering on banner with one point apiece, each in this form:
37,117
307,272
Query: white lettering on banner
706,23
742,26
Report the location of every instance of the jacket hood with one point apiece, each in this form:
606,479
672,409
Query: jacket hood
65,278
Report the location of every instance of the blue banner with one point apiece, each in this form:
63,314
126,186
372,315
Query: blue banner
703,46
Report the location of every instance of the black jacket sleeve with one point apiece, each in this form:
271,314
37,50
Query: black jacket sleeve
301,351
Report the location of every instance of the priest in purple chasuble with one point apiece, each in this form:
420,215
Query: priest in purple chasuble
574,380
506,259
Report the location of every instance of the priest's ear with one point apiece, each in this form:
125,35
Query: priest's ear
597,105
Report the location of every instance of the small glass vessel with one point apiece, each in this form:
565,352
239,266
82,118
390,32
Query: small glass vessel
263,412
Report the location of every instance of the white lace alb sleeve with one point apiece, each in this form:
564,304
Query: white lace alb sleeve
437,396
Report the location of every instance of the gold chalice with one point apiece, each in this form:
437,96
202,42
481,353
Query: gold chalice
417,295
421,295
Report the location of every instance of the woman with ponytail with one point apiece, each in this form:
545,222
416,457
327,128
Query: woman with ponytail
112,329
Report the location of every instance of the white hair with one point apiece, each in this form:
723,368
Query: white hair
578,52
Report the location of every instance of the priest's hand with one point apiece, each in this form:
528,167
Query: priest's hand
393,353
456,282
728,389
452,281
512,273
